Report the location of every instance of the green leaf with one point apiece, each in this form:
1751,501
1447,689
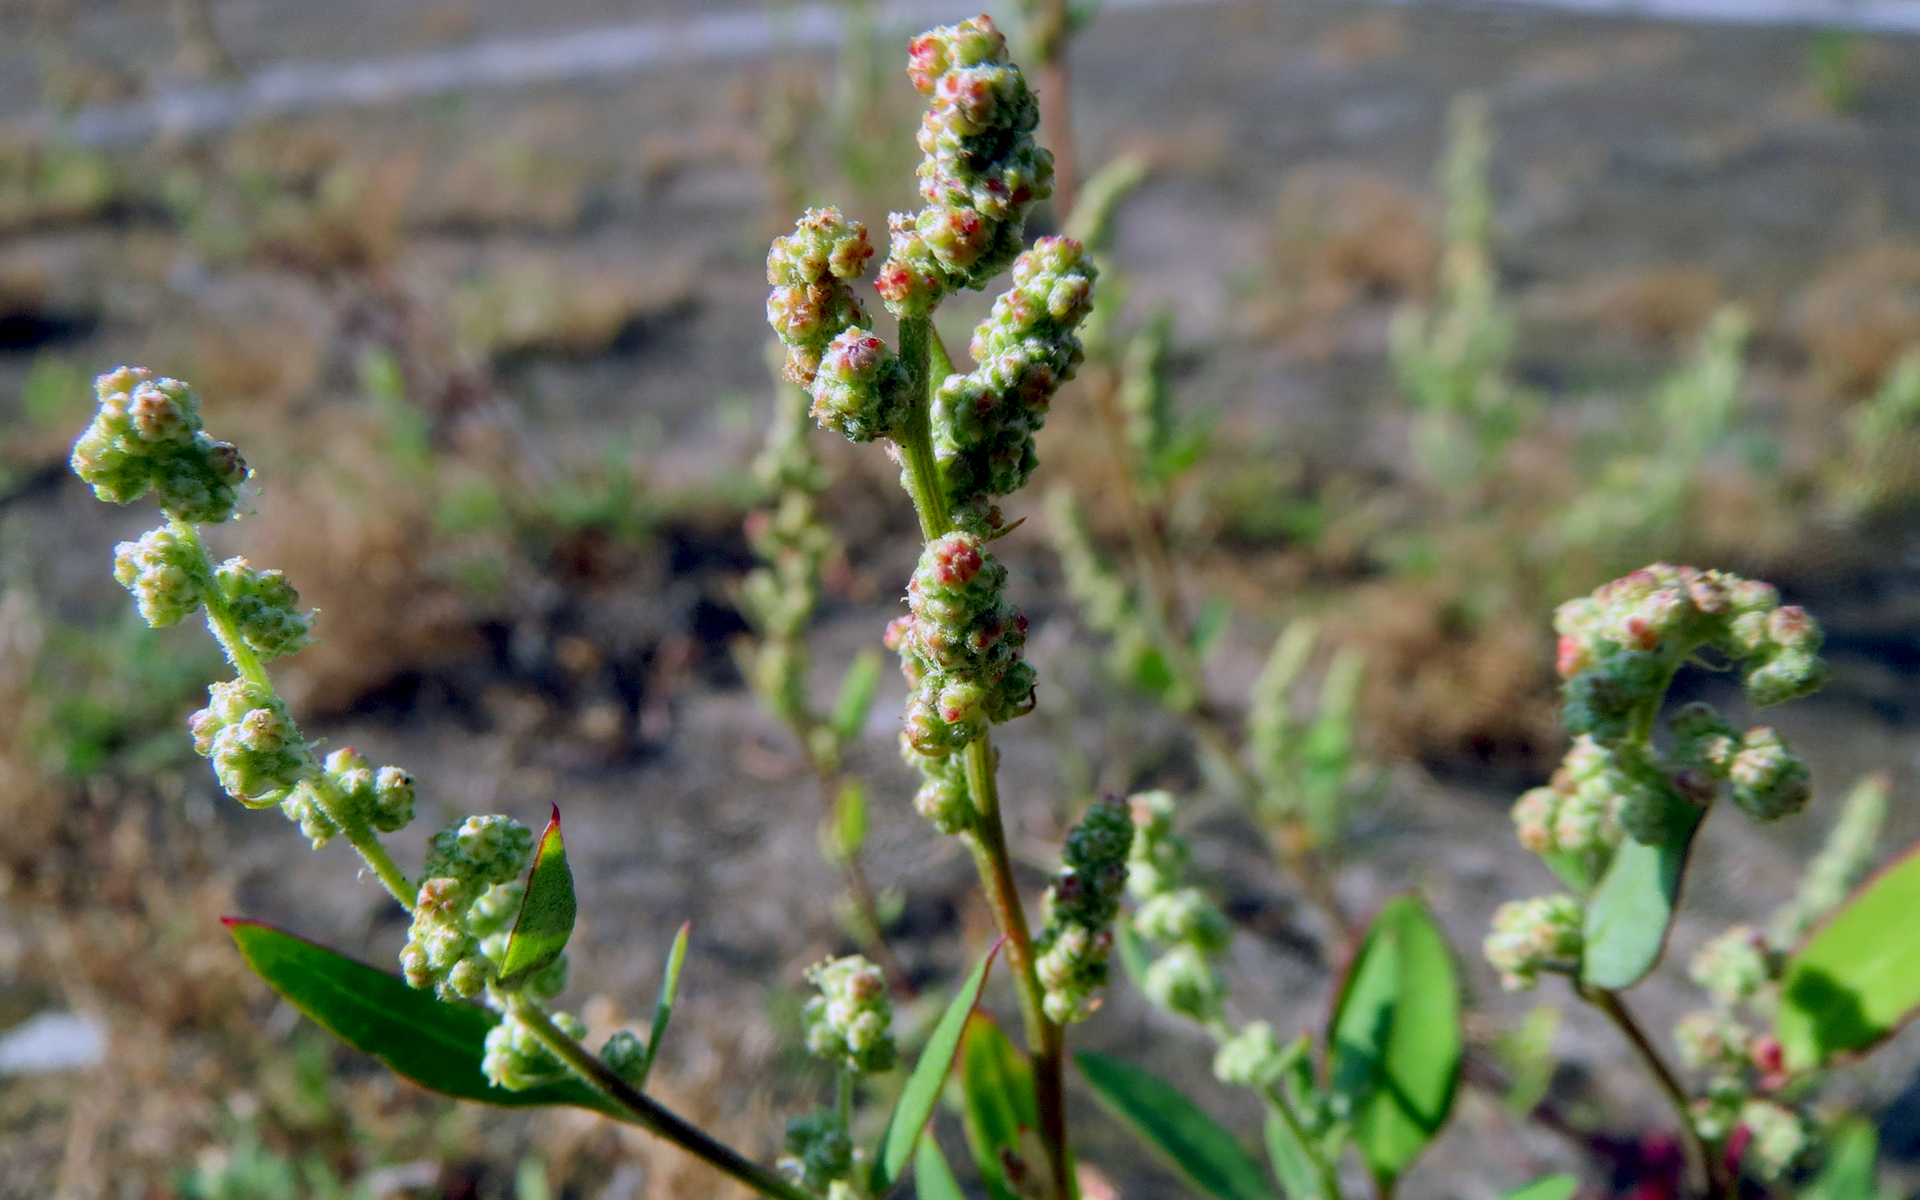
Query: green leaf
1857,979
663,1004
1632,910
915,1105
1852,1167
858,687
932,1177
998,1108
1292,1163
546,913
849,829
1216,614
436,1044
1173,1126
1547,1187
1396,1041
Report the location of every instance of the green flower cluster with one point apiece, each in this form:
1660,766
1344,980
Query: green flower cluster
943,797
516,1059
959,646
264,607
984,421
851,1021
819,1153
1183,979
1255,1057
1078,911
350,791
163,571
147,437
780,598
1575,812
1535,935
1620,646
458,904
981,172
811,303
256,751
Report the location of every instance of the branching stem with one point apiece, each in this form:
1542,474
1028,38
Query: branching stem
1705,1173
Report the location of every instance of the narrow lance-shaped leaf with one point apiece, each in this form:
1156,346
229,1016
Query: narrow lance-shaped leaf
1174,1127
546,913
858,687
1547,1187
932,1176
915,1105
998,1108
1292,1162
663,1004
1632,911
1857,979
848,831
1396,1039
435,1044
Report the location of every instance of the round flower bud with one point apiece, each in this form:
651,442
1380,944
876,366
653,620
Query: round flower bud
1780,1138
1184,983
1253,1058
392,808
1769,782
819,1152
1733,967
960,647
1158,859
1184,915
1712,1041
851,1020
162,570
1717,1114
859,390
626,1056
265,607
1531,936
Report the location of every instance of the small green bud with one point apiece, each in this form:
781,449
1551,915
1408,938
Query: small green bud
819,1152
1158,861
943,797
481,850
1254,1057
1717,1114
265,607
626,1056
851,1021
146,437
1184,983
497,909
1712,1041
859,390
252,743
811,303
1780,1138
1733,967
516,1059
1531,936
462,901
162,570
1184,915
1769,782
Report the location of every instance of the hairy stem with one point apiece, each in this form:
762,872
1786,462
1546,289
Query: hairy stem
988,841
226,631
649,1114
1704,1170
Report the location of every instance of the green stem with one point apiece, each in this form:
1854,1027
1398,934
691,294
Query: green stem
1046,1041
1281,1107
1703,1166
649,1114
246,663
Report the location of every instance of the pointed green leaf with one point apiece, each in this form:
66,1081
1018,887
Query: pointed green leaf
1396,1040
1632,911
1292,1164
858,687
932,1176
1174,1127
1216,616
849,829
1857,979
1547,1187
546,913
663,1004
1851,1171
998,1108
915,1105
435,1044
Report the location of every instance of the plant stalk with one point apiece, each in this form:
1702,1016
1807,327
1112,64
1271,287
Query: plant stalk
1704,1171
247,664
649,1114
988,841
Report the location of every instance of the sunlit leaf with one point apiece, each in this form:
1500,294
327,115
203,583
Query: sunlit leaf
1292,1164
1857,979
1174,1127
436,1044
848,831
1396,1040
998,1108
915,1105
1547,1187
932,1176
546,912
663,1004
858,687
1632,910
1851,1171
